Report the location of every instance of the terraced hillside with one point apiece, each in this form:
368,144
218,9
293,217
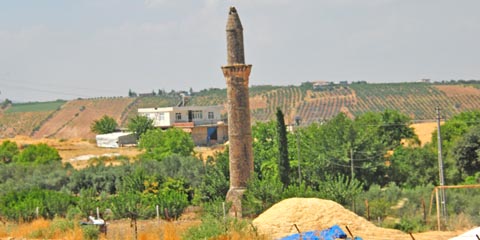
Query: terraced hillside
72,119
417,100
25,118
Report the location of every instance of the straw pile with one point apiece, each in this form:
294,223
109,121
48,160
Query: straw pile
317,214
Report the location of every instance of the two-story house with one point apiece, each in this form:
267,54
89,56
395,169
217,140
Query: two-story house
203,122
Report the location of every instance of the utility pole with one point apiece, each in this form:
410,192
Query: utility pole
443,199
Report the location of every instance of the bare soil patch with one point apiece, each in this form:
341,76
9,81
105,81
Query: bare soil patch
74,148
74,119
458,90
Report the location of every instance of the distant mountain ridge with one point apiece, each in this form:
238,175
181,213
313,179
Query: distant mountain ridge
72,119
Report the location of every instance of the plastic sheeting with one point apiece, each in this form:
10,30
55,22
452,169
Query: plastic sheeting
470,235
335,232
115,140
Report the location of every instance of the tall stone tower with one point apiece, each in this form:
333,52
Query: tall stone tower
239,130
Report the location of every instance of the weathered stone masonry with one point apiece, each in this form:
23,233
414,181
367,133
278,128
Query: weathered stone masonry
239,128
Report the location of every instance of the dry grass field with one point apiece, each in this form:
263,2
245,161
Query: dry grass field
424,131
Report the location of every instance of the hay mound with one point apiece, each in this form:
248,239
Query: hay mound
317,214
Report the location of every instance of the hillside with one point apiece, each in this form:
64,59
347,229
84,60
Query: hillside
72,119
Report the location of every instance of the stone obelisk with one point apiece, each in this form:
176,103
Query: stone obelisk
236,74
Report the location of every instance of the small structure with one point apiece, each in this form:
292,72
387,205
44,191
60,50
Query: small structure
116,139
204,123
322,85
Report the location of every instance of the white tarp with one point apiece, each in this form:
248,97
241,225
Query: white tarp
470,235
115,140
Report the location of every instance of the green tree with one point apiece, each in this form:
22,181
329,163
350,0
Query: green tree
38,154
159,144
140,125
394,127
413,166
283,161
104,125
466,152
453,130
265,149
216,180
8,150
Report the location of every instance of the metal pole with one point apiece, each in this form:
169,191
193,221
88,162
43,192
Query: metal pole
443,199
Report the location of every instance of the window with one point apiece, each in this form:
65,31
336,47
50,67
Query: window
197,115
210,115
178,116
161,116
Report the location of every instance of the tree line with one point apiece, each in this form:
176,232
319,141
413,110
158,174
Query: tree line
375,156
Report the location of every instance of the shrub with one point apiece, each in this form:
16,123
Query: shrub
22,205
38,154
90,232
173,201
260,195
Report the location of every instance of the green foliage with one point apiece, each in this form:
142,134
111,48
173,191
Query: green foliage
172,202
186,168
452,131
140,125
209,228
341,189
265,149
475,179
104,125
215,224
283,160
90,232
7,102
260,195
98,177
36,106
216,180
8,150
159,144
413,166
20,177
411,225
89,200
302,190
394,127
133,205
38,154
21,206
465,151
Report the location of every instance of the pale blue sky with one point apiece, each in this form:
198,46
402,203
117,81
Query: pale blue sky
65,49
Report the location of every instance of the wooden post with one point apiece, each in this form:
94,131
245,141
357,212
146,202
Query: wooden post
367,206
167,216
438,209
349,232
158,212
224,216
424,211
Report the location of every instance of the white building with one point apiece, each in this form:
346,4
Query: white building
116,139
205,123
